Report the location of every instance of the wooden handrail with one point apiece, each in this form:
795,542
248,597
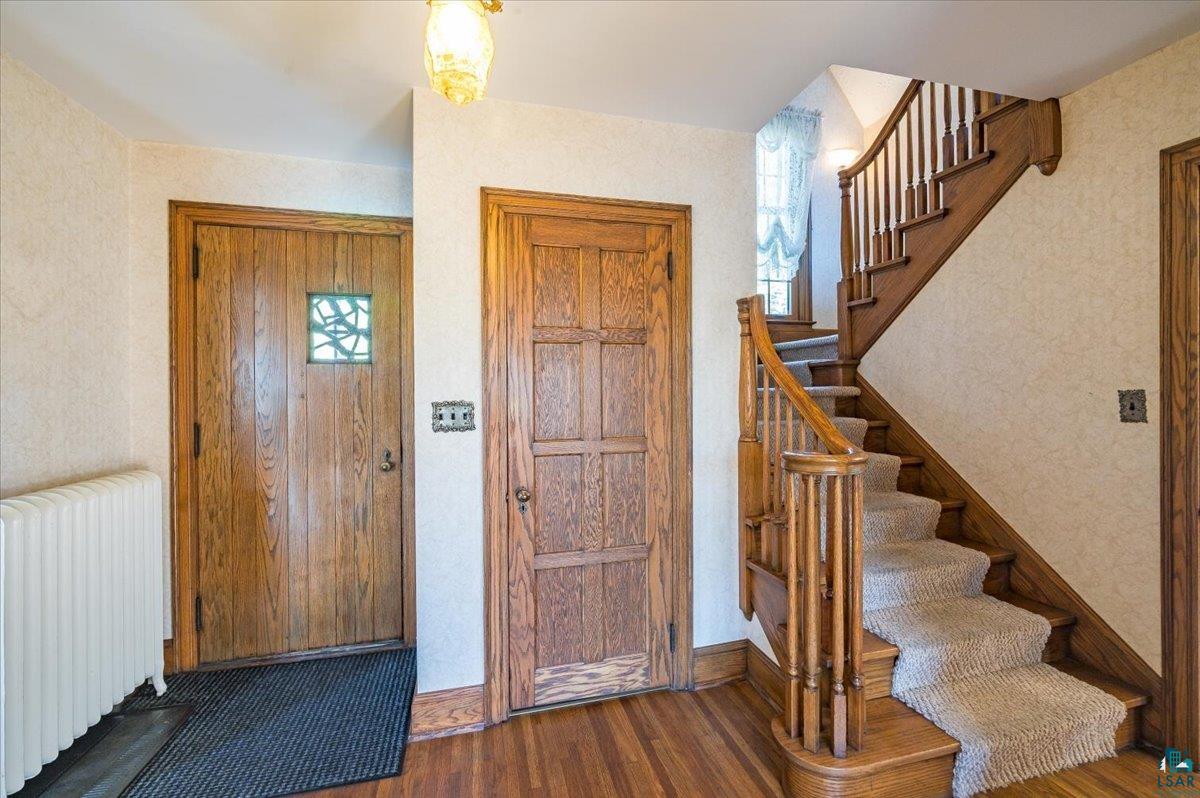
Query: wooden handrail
791,487
835,443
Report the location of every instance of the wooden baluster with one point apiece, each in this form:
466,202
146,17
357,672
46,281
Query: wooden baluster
765,435
885,244
856,707
748,449
777,482
849,253
876,241
812,616
922,191
910,193
948,134
792,700
934,198
863,232
987,100
790,423
962,147
852,188
834,543
976,126
896,196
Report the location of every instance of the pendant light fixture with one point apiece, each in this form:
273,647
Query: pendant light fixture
459,48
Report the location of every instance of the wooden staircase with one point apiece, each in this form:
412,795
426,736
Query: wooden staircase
907,204
902,752
943,159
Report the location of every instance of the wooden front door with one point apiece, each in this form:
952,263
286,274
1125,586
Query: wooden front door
296,477
589,452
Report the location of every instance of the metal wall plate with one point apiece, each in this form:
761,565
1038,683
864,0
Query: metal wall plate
456,415
1133,405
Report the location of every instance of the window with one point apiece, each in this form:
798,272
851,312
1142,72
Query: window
786,147
339,328
778,294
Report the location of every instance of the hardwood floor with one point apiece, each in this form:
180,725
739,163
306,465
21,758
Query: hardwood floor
712,742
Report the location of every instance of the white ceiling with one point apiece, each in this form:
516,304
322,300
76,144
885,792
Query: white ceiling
332,79
872,95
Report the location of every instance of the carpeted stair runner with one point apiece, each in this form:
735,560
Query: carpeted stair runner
968,662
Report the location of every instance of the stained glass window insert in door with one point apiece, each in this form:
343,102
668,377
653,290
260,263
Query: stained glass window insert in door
339,328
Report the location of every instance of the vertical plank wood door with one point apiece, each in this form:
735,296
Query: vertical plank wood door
299,529
589,403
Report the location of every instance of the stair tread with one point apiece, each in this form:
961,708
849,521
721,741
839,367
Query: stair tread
874,646
910,459
895,735
1129,696
1056,616
805,343
995,553
916,221
964,165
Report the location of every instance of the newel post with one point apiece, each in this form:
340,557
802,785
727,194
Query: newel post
749,453
845,286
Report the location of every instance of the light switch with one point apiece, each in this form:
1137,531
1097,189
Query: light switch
453,416
1133,405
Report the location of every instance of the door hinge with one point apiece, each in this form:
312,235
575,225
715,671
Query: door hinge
671,635
670,265
195,261
196,440
199,614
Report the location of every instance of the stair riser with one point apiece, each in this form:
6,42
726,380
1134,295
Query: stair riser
876,440
996,581
910,478
832,373
949,524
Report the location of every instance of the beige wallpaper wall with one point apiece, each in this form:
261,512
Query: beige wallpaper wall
516,145
64,288
1010,359
163,172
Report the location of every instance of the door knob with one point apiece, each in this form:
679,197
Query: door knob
523,496
387,464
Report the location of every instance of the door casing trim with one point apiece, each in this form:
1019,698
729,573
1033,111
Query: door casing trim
1180,488
183,219
494,204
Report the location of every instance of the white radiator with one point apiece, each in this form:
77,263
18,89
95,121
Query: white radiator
81,608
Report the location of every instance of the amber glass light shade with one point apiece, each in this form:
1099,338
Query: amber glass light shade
458,49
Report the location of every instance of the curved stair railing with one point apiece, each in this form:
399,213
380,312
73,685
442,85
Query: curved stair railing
800,485
941,161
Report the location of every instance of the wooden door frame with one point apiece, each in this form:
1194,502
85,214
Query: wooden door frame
183,219
494,203
1180,458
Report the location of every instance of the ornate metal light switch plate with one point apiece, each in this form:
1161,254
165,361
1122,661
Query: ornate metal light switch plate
453,416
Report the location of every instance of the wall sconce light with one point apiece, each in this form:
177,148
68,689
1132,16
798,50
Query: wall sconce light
841,158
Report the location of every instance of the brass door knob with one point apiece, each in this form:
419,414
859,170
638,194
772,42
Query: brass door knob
387,464
523,496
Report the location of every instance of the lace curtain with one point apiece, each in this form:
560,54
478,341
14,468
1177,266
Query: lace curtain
787,147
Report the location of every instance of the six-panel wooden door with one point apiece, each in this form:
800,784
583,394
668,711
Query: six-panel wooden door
589,404
297,485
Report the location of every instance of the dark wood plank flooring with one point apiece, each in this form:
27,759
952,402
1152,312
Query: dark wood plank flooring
709,743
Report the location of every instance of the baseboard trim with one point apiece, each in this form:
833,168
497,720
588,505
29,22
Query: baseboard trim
765,676
1093,641
169,656
719,664
442,713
